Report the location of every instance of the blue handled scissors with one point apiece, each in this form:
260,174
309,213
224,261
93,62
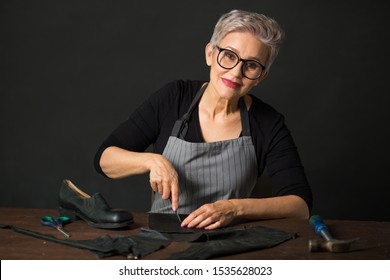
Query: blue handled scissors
56,223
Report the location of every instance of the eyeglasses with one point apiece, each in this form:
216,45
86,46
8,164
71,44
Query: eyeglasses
250,69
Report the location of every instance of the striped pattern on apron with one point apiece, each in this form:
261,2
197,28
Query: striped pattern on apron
209,171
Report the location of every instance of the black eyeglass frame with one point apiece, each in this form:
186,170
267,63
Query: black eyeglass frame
238,61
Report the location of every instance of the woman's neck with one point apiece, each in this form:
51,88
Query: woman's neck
214,105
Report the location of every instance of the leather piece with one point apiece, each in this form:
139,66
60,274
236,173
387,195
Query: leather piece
206,244
104,246
92,209
230,241
133,247
167,223
169,226
165,228
217,242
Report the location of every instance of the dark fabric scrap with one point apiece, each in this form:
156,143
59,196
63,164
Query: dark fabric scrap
206,243
104,246
169,226
232,241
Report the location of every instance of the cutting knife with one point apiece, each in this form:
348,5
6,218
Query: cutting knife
176,212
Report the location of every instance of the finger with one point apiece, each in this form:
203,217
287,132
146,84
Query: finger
175,194
188,219
153,185
166,192
215,225
211,220
156,186
195,218
165,188
160,188
204,222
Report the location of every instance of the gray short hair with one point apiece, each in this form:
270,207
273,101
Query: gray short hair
266,29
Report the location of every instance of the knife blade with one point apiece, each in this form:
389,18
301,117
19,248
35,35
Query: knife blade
176,212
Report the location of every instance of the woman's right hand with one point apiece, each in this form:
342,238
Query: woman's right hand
119,163
164,179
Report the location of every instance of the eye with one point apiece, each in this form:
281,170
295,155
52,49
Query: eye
230,55
252,65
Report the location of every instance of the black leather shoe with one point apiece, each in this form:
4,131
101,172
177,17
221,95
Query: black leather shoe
94,209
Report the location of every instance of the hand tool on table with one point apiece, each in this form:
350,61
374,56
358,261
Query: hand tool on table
56,223
177,213
329,244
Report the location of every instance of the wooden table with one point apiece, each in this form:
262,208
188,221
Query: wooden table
374,243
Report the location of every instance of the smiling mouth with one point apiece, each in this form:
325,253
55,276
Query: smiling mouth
230,83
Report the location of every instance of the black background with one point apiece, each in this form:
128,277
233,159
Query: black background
71,71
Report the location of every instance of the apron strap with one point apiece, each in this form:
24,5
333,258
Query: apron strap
181,125
246,130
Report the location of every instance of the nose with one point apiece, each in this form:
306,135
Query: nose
237,70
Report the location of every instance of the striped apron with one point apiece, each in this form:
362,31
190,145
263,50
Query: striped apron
209,171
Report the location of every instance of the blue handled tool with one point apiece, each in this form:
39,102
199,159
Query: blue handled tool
321,229
56,223
331,245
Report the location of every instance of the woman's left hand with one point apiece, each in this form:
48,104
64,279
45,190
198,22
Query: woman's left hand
211,216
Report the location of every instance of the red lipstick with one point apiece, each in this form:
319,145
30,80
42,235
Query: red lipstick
230,83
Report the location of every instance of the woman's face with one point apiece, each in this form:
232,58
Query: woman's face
230,84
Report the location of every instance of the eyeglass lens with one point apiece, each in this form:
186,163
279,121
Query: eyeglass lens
228,59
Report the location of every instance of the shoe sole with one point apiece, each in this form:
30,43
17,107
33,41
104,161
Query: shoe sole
74,215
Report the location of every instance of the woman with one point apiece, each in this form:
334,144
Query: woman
212,140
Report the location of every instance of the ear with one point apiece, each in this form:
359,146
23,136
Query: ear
209,54
261,78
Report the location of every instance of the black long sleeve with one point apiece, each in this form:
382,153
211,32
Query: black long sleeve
152,123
